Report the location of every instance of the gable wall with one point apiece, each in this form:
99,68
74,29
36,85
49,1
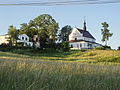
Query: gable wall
24,38
76,34
4,39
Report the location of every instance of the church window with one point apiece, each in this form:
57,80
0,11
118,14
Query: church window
71,46
75,39
84,44
77,46
80,45
88,45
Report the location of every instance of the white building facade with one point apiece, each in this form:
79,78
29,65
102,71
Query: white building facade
82,39
4,39
25,40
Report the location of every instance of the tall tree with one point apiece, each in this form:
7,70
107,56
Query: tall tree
46,28
28,29
64,34
13,32
105,33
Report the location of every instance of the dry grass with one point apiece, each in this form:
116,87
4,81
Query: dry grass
26,72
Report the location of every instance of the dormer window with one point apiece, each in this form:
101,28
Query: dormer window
22,38
26,39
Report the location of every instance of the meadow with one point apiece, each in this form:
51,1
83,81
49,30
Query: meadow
74,70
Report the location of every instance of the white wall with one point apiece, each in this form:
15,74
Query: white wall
4,39
79,45
83,45
25,39
76,34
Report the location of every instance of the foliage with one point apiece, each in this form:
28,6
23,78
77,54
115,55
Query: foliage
20,44
105,33
46,28
65,46
28,29
13,32
93,56
119,48
103,48
99,48
64,33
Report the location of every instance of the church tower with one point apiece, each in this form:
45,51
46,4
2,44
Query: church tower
84,27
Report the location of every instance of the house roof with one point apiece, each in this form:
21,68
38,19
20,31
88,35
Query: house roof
85,33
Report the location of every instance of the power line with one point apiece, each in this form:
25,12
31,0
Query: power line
53,3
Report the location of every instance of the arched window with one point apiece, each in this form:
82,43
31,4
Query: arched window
75,39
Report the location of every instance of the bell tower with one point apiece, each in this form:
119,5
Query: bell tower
84,27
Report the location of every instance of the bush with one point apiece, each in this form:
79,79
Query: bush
119,48
20,44
103,48
64,46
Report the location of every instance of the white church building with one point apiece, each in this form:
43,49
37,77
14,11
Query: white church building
82,39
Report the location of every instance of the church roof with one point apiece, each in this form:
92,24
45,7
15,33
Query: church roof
85,33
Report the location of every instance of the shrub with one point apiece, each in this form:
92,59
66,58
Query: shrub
119,48
64,46
103,48
20,44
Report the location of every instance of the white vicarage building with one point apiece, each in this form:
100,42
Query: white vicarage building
82,39
23,38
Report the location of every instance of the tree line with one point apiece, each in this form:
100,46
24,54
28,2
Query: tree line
45,27
47,30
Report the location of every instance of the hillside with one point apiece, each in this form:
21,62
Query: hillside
75,70
79,56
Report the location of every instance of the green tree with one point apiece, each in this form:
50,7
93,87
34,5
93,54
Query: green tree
13,32
119,48
65,46
105,33
28,29
64,34
46,28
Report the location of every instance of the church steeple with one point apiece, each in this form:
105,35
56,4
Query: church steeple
84,27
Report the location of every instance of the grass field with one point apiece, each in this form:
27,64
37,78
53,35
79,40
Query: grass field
75,70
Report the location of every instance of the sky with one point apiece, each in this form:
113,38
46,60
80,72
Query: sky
67,15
